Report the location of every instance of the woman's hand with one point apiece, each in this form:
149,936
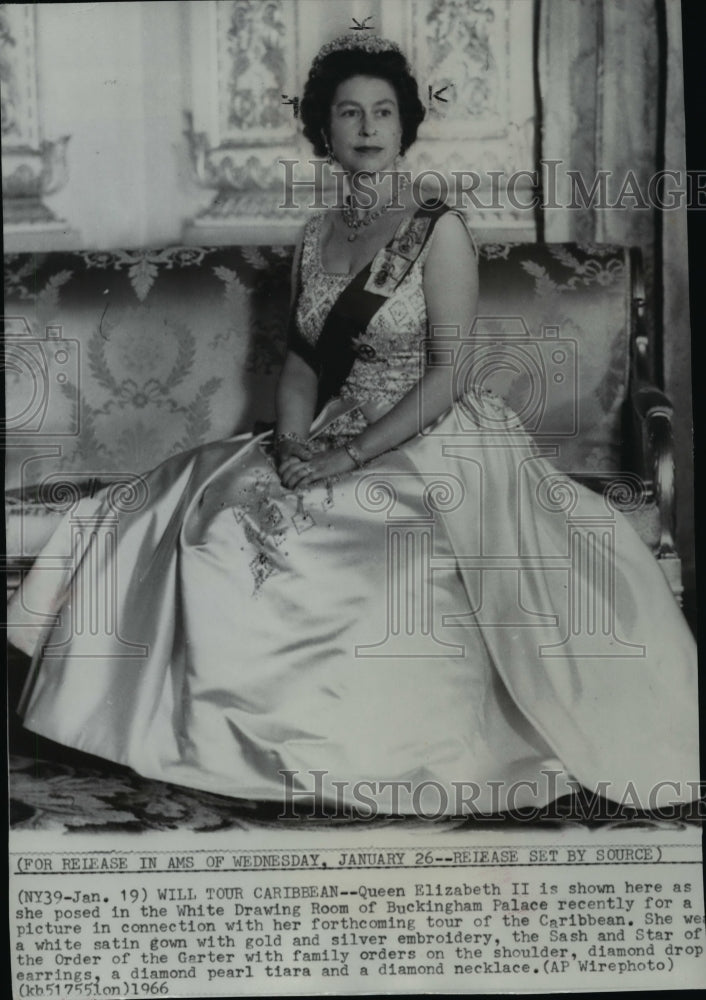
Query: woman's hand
296,473
287,449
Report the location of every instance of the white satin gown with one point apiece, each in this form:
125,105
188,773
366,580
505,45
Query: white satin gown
418,622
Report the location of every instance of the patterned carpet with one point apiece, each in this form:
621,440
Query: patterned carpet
53,795
53,787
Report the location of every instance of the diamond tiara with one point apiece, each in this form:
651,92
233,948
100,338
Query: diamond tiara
351,42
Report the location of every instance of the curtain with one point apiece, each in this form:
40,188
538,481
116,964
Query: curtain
610,98
598,77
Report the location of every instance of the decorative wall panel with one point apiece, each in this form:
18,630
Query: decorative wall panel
473,60
31,166
256,67
245,69
18,75
463,49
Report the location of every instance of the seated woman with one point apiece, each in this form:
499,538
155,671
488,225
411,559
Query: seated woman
374,604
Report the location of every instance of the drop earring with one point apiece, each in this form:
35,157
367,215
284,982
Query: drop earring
329,151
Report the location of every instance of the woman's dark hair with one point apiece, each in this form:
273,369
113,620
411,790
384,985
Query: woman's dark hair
326,74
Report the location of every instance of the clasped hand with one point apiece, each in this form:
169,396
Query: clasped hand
297,467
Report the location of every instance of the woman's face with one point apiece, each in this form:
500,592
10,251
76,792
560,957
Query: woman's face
365,124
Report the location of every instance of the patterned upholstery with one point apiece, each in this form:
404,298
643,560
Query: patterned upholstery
129,357
568,379
117,360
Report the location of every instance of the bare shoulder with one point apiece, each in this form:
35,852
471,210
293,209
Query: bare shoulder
452,237
452,249
451,273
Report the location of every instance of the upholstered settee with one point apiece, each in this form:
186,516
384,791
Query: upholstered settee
117,360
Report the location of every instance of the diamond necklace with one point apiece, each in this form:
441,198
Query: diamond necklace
350,219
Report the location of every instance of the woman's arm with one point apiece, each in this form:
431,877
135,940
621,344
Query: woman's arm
451,293
295,399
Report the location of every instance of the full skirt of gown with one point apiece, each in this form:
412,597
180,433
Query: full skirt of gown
454,614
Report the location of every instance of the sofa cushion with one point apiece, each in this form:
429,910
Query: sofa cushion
117,360
562,313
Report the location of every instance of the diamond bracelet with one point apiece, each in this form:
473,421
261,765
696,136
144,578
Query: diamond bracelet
289,436
354,455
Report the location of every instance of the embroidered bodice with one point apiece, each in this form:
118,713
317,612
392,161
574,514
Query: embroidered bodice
389,352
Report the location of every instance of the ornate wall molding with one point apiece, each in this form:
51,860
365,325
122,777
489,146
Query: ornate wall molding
32,166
